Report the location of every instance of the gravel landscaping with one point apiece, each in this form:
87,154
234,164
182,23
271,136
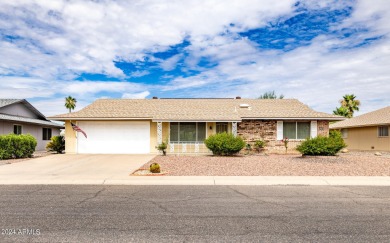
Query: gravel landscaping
350,164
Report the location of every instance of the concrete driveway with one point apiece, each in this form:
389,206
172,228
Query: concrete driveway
72,168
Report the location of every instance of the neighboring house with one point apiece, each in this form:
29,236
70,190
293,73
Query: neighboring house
138,125
369,131
18,116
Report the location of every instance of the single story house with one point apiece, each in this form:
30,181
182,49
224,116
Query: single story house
127,126
369,131
18,116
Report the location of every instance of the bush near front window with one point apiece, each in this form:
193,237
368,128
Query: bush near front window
14,146
323,145
224,144
57,144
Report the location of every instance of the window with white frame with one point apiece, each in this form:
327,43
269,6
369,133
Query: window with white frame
222,127
383,131
296,130
344,133
18,129
187,132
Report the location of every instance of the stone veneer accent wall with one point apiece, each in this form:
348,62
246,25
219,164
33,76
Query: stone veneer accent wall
252,130
323,128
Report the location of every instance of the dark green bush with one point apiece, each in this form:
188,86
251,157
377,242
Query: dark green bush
57,144
224,144
323,145
14,146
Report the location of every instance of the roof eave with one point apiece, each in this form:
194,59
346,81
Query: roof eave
358,126
295,118
196,120
98,118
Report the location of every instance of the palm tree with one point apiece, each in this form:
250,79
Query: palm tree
70,103
341,111
270,95
350,103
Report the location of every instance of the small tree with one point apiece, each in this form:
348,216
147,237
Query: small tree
270,95
162,147
57,144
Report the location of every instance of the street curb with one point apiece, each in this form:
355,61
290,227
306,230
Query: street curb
215,180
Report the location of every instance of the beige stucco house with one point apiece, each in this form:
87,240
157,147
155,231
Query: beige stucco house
369,131
138,125
20,117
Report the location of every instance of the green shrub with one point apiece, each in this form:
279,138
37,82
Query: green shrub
155,168
57,144
14,146
162,147
323,145
259,144
224,144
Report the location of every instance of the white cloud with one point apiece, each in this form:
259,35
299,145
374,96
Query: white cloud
87,36
55,41
141,95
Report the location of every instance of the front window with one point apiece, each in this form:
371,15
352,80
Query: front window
344,133
296,130
46,133
17,129
187,132
222,127
383,131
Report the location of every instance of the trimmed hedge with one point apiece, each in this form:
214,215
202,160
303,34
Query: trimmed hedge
323,145
14,146
224,144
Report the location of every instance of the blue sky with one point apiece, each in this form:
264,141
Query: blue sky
315,51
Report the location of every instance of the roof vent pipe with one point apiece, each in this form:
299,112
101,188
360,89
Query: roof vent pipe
238,97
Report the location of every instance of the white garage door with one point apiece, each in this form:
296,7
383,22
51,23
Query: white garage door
114,137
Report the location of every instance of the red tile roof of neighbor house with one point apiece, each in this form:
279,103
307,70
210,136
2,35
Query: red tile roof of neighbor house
196,110
374,118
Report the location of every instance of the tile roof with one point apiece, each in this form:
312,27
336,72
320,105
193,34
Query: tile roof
378,117
195,110
29,120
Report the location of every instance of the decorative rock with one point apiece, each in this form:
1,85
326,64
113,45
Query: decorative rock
344,150
378,154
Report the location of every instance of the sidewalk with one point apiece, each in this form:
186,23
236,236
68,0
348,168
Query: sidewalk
209,180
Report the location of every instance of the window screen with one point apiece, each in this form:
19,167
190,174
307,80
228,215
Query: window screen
383,131
187,132
222,127
303,129
289,130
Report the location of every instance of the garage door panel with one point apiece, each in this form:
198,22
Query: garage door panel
119,137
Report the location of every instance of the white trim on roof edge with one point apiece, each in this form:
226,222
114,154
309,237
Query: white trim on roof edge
96,119
196,120
293,118
358,126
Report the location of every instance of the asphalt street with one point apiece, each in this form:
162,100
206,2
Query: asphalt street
194,213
